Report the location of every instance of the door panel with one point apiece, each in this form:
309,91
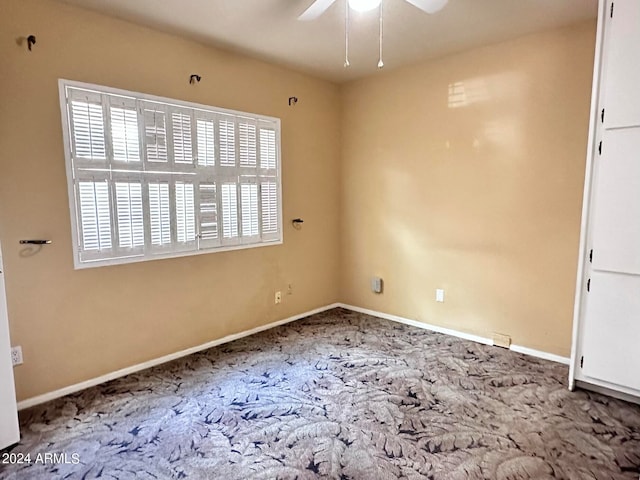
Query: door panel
616,221
622,78
9,433
611,344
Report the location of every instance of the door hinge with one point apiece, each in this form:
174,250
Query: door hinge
582,361
600,148
589,285
611,14
591,256
602,116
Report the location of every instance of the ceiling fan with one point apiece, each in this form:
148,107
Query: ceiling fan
318,7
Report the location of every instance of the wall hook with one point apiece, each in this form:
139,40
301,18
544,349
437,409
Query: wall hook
31,41
293,100
194,79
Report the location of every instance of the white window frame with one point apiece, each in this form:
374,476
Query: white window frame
77,169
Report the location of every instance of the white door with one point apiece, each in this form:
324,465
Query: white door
622,65
611,338
9,433
612,329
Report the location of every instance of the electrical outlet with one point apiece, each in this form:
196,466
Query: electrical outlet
16,356
290,289
439,295
278,298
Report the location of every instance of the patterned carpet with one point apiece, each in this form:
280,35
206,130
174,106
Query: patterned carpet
339,395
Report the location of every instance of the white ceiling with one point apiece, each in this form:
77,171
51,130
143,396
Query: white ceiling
268,29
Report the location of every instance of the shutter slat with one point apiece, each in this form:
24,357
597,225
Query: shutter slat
185,212
130,219
269,205
268,155
208,212
227,143
88,130
159,214
247,143
95,215
182,138
155,128
229,210
124,133
206,142
249,209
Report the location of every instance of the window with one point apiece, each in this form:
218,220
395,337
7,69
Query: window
152,178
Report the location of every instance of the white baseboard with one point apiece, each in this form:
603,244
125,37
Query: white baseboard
626,394
415,323
540,354
37,400
456,333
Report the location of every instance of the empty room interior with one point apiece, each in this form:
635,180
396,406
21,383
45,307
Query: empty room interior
296,239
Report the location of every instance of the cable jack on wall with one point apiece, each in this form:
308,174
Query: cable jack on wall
195,78
293,101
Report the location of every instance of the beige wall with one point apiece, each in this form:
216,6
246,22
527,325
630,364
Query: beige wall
76,325
466,173
463,173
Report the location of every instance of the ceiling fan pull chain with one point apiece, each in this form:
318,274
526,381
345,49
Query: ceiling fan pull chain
346,34
380,62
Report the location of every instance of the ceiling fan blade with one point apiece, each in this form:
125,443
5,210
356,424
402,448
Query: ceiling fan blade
428,6
316,9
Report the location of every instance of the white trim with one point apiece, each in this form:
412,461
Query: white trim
540,354
619,392
455,333
156,98
162,256
586,195
46,397
415,323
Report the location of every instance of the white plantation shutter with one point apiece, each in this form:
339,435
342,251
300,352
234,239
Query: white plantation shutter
159,214
95,215
227,129
182,137
249,209
87,124
205,129
125,136
269,209
208,214
156,178
185,212
229,213
130,217
155,130
268,155
247,140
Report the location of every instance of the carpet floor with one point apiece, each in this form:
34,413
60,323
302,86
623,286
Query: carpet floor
339,395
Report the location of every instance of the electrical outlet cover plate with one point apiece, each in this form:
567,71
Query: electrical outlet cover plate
16,356
439,295
278,298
